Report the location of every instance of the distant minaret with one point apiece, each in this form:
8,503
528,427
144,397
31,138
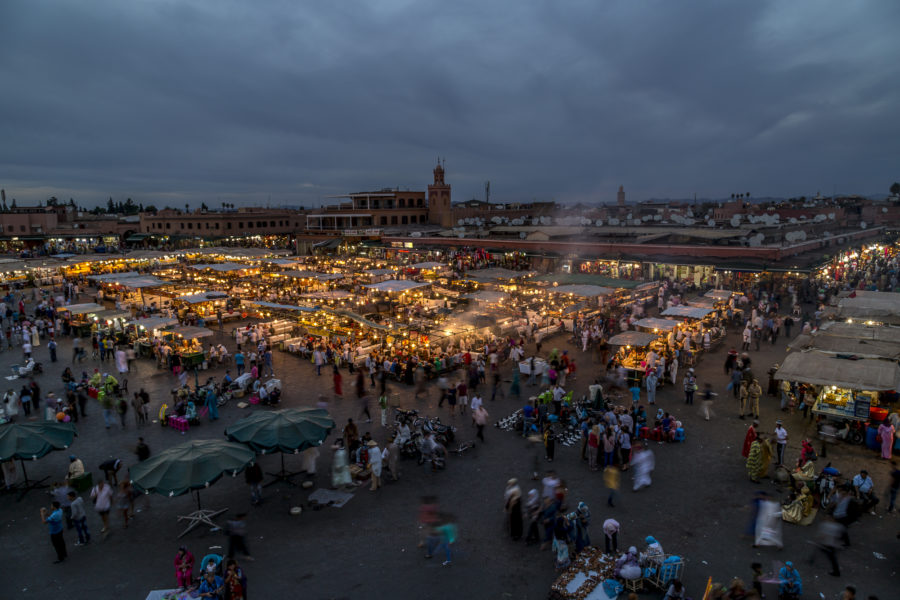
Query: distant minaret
620,197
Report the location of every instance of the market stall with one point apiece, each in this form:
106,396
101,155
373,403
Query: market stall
186,342
654,324
141,332
871,307
846,389
632,351
78,316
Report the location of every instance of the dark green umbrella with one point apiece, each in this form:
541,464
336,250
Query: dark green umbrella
287,430
31,441
191,466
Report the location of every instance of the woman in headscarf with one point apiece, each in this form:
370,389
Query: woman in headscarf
580,520
653,554
513,505
561,543
886,433
628,566
759,459
532,517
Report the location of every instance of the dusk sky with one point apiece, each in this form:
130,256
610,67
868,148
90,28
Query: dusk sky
289,102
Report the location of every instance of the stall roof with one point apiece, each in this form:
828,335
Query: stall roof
703,302
583,290
136,283
428,265
832,344
81,309
356,317
107,277
654,323
861,331
590,279
312,275
377,272
203,297
690,312
152,323
280,261
189,332
870,305
328,294
224,267
397,285
719,294
486,296
632,338
275,306
826,369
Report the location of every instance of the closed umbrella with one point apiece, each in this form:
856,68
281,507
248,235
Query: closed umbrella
286,430
31,441
191,466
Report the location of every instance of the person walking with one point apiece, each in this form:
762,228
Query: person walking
374,464
754,391
54,522
239,362
79,518
708,395
690,386
237,537
480,416
650,382
102,494
781,438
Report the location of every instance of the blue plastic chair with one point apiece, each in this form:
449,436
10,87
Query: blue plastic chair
679,434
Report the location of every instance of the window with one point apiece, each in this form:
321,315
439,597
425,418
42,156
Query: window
241,225
420,202
228,225
384,220
271,223
21,228
217,225
413,219
394,220
207,225
168,226
182,225
404,220
375,203
402,203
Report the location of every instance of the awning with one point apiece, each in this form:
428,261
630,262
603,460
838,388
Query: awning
585,291
633,338
221,267
428,266
311,275
848,346
688,312
189,333
81,309
876,306
328,244
152,323
826,369
861,331
203,297
589,279
396,285
138,237
654,323
719,294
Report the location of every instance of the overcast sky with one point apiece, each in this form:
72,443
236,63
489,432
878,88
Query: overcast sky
179,101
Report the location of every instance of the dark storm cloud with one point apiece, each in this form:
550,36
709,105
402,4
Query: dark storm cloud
168,102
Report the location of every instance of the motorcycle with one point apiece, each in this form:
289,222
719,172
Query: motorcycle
825,484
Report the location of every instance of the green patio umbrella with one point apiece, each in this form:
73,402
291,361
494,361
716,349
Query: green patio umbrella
286,430
191,466
31,441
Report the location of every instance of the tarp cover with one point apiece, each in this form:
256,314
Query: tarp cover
152,323
428,265
81,309
833,344
276,306
632,338
861,331
654,323
871,305
690,312
826,369
190,332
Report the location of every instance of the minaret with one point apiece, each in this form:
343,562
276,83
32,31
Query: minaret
620,197
439,211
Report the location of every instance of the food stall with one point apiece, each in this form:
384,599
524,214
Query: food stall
847,389
655,324
79,316
205,305
631,353
142,331
186,341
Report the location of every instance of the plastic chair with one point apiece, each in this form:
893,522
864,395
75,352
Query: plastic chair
679,434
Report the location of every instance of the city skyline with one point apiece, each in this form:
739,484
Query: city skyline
190,102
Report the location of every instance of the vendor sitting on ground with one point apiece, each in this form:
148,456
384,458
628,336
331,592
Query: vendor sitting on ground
799,508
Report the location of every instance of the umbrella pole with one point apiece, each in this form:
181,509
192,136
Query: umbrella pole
27,486
282,475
